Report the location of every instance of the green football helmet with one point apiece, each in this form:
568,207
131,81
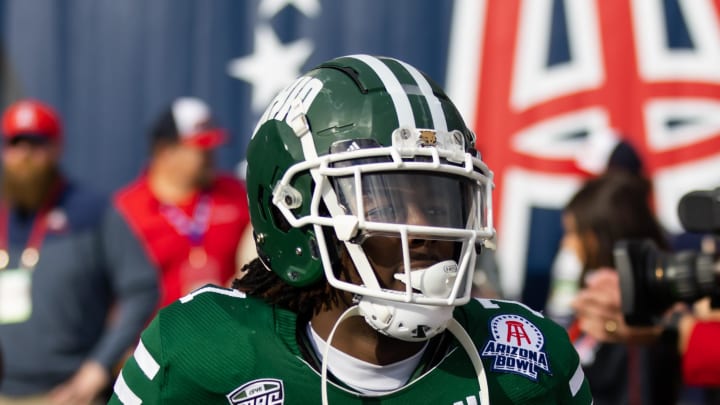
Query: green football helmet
326,164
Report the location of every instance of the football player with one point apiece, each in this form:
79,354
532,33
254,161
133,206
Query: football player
369,205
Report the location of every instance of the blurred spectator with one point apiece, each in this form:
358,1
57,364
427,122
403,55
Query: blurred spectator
603,151
614,204
191,220
66,258
599,313
606,209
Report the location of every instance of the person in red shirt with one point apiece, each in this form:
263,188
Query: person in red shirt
190,219
698,343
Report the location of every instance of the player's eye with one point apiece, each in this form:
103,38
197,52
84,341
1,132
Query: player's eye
434,212
384,213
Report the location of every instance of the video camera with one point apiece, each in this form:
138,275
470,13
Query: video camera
651,281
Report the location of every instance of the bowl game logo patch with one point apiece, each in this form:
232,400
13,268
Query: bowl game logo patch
266,391
516,345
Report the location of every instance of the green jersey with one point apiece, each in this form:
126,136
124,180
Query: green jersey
216,346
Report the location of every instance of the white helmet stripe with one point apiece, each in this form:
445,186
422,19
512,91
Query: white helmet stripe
394,87
436,111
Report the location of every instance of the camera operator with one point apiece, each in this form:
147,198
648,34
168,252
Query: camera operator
656,296
607,209
599,310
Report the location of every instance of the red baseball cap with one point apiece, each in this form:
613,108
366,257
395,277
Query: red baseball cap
189,121
31,118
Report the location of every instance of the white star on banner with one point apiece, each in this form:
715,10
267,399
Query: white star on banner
271,66
269,8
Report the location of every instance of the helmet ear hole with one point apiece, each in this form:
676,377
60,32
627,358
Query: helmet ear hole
279,219
314,250
478,248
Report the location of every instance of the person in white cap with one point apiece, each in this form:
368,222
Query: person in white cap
190,218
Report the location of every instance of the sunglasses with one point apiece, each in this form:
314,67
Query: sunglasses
33,140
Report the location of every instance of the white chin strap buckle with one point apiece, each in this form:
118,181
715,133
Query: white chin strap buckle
435,281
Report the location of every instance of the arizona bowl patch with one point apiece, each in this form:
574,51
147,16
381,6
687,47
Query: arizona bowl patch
266,391
516,345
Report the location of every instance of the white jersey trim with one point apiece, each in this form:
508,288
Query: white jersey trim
217,290
470,401
124,393
492,303
577,380
145,360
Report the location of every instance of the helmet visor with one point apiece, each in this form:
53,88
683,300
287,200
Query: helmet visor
419,198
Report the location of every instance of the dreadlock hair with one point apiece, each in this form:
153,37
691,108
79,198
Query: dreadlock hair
260,281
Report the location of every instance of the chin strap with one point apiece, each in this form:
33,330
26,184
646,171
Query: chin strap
462,336
352,311
453,326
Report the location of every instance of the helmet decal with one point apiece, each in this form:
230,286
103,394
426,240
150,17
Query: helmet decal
302,91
